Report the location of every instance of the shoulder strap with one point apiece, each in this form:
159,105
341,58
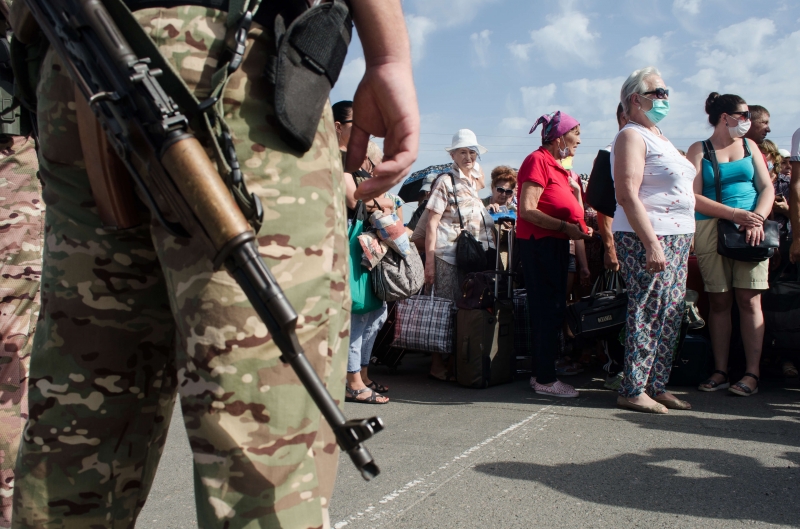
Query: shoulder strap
746,148
455,197
206,118
711,155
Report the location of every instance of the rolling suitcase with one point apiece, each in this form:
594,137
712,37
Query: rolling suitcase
485,340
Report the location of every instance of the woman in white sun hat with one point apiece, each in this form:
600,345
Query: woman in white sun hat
444,226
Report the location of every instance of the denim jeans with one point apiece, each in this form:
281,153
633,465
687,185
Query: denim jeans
363,331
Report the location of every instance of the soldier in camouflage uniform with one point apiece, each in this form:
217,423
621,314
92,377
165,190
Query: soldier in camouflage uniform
21,228
129,318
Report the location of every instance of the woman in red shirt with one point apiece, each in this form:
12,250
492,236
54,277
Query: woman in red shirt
549,216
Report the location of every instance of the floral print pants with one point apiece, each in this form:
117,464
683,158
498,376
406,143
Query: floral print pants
655,311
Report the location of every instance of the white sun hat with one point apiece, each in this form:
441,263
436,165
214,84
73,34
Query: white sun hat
784,153
466,138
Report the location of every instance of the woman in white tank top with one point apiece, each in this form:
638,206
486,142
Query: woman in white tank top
653,229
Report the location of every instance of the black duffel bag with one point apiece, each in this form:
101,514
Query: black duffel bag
781,306
601,313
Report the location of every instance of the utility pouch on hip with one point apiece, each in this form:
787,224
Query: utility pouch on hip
311,52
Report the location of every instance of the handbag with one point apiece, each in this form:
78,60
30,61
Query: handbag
470,255
601,313
425,323
731,242
477,291
364,299
395,277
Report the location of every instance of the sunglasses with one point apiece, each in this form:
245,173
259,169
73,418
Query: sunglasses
346,121
745,115
661,93
504,190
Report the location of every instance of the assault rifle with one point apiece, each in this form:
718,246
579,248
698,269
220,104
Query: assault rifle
178,181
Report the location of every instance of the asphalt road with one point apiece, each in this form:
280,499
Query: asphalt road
505,457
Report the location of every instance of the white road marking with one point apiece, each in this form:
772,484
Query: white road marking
424,486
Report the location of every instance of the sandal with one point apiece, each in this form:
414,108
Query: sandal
713,385
379,388
351,395
742,389
789,370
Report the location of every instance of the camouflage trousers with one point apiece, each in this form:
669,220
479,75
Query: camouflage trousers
129,318
21,229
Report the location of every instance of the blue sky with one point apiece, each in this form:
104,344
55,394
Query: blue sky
494,66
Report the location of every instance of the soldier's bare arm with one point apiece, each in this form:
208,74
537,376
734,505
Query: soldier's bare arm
385,104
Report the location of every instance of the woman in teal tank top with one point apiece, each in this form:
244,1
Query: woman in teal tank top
746,197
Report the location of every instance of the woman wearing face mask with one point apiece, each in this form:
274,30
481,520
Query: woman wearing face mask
653,228
549,217
444,225
747,197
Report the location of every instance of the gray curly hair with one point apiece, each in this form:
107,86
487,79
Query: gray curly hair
636,83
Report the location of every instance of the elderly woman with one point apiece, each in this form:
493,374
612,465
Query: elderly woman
504,185
444,225
747,197
549,217
653,228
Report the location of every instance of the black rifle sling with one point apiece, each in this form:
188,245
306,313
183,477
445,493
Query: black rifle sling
205,117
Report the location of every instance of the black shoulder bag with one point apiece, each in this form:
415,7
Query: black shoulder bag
470,255
731,242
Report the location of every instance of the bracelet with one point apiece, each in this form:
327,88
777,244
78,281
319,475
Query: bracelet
760,215
563,225
733,215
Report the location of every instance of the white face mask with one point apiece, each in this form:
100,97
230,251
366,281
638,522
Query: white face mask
740,129
563,153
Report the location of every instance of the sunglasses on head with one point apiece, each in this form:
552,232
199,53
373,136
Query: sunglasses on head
661,93
745,114
346,121
504,190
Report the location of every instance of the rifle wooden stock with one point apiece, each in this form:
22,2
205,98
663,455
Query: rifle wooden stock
109,178
205,192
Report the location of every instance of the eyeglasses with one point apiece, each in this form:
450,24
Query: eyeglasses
745,116
661,93
504,190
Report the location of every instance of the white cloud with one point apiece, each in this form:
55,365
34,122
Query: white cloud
745,36
515,124
648,52
351,75
419,28
480,43
691,7
567,37
538,100
448,13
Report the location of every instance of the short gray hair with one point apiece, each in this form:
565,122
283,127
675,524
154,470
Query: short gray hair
635,84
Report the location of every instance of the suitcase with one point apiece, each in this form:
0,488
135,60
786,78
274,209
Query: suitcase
485,346
485,340
692,364
781,306
523,333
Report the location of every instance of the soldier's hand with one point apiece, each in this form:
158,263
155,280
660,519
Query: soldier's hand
385,105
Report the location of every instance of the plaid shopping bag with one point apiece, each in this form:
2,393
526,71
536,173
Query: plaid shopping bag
523,334
425,323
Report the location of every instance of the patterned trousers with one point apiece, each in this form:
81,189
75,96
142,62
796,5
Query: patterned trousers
655,311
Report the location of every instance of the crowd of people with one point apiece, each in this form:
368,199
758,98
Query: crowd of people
646,207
